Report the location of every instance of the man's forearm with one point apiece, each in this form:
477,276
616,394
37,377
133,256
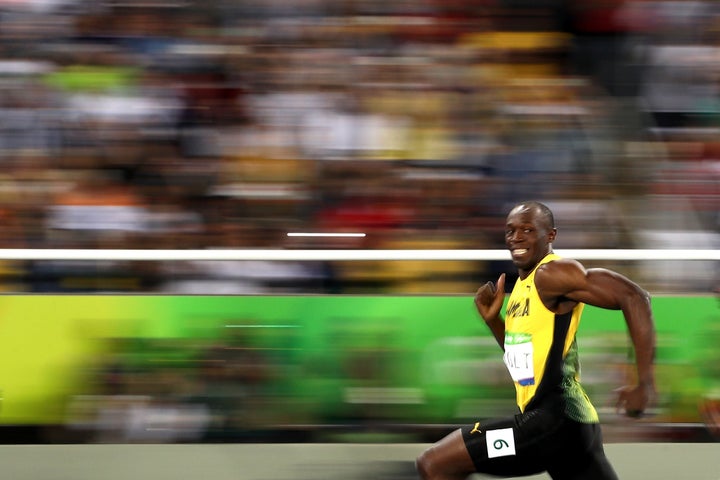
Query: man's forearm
497,327
639,318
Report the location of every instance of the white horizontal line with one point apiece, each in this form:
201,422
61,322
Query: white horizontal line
260,326
341,254
337,234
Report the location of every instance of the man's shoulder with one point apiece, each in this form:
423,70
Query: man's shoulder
560,273
554,264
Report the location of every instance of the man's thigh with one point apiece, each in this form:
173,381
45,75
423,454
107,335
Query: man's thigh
516,446
585,458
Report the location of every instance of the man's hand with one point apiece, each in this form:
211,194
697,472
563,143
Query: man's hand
633,400
489,299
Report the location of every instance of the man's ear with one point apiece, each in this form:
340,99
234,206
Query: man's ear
552,234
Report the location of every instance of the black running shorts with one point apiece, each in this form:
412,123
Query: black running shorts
538,441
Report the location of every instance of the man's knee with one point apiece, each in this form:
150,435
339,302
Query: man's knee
446,459
433,465
430,464
425,464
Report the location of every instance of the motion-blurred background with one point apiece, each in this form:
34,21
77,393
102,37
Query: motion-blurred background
229,123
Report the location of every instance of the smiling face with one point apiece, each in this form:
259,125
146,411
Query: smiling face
529,234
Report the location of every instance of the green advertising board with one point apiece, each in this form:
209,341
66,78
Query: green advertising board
317,359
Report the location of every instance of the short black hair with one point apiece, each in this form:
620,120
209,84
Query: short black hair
544,210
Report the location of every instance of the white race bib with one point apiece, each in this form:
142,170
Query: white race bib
518,357
500,443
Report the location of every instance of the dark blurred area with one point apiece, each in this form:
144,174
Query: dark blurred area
227,124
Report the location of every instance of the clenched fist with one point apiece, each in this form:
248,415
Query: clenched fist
489,299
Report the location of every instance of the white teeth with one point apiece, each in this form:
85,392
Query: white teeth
520,251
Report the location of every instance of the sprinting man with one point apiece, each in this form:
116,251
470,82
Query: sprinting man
557,430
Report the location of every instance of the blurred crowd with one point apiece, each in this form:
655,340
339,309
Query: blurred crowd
227,124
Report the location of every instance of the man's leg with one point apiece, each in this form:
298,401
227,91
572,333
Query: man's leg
447,459
515,446
585,458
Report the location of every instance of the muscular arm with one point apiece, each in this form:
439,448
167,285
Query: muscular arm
562,284
488,301
497,327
